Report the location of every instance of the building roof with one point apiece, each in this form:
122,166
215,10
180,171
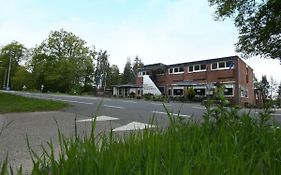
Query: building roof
126,86
153,66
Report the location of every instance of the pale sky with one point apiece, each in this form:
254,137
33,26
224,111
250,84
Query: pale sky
166,31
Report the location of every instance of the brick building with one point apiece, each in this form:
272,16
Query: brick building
202,76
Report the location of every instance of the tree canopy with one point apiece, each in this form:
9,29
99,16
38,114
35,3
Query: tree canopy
62,63
258,23
16,52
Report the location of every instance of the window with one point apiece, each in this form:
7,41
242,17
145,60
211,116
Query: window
214,66
190,68
229,63
176,70
228,91
203,66
181,69
178,92
221,64
171,70
200,91
196,67
244,92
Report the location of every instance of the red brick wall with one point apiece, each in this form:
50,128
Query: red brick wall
213,76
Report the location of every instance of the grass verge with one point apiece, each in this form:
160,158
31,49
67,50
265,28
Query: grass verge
15,103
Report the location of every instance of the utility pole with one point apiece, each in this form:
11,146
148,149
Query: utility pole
9,72
5,76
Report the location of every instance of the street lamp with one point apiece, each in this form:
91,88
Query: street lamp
5,74
9,72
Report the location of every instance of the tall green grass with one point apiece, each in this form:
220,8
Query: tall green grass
226,142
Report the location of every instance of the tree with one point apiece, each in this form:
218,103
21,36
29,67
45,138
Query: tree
272,87
279,94
113,77
265,87
258,23
22,78
136,65
13,53
62,63
128,76
102,69
256,83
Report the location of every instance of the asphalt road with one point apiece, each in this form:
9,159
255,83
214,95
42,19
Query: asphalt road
120,115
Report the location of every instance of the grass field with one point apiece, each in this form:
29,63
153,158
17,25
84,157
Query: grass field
14,103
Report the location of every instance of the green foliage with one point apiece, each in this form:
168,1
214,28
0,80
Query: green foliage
63,63
102,69
22,78
14,103
136,65
113,77
190,93
264,85
15,52
128,76
148,96
258,23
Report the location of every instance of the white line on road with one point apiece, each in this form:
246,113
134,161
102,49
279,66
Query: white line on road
165,113
128,101
72,101
116,107
160,104
198,107
98,119
133,126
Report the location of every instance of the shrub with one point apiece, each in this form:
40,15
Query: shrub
132,94
148,96
190,93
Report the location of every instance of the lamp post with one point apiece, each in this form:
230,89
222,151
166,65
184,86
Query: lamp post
5,74
9,72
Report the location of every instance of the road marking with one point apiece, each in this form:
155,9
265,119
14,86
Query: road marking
98,119
72,101
165,113
116,107
160,104
198,107
133,126
129,101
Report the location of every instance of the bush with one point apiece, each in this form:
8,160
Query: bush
190,93
132,94
148,96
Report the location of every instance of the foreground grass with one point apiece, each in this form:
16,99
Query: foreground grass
15,103
225,143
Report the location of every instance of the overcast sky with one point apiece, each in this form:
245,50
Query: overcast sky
166,31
